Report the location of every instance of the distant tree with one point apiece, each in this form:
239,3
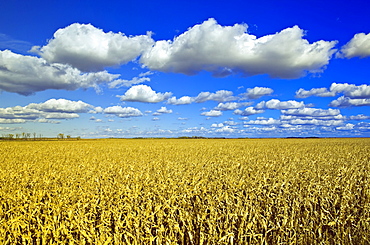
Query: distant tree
17,136
34,136
10,136
60,136
68,136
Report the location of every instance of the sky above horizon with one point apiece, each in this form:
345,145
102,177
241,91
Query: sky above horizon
185,68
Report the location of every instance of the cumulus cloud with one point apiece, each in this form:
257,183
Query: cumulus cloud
257,92
358,46
50,109
61,105
219,96
225,129
201,130
162,110
11,121
270,121
217,125
58,115
315,112
123,112
359,117
212,113
276,104
144,93
248,111
27,74
317,122
184,100
320,92
229,106
91,49
127,83
348,102
348,126
351,90
327,117
223,50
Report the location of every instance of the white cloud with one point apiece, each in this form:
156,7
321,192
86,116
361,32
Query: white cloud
223,50
316,122
231,123
91,49
185,100
51,109
229,106
182,118
219,96
44,120
320,92
327,117
225,129
348,126
248,111
257,92
269,121
279,105
359,117
219,125
155,119
212,113
347,102
358,46
311,112
97,109
144,93
120,111
59,115
61,105
27,74
351,90
164,110
19,112
128,83
11,121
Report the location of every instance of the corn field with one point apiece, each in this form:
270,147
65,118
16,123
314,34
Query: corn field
185,191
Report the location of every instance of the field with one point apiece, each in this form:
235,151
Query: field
185,191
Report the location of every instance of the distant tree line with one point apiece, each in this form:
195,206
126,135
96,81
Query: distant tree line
34,136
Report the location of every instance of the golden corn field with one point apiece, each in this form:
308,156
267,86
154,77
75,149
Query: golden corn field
185,191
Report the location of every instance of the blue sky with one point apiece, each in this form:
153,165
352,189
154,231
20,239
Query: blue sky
185,68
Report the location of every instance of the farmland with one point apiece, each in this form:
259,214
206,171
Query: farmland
185,191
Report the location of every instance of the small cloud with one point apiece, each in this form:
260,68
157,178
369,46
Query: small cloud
144,93
248,111
257,92
358,46
212,113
